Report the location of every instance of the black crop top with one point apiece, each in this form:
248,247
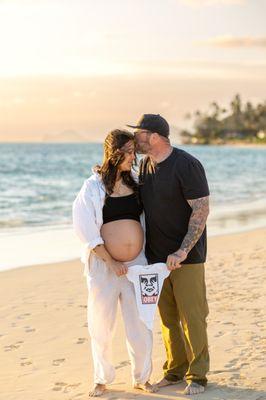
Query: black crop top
124,207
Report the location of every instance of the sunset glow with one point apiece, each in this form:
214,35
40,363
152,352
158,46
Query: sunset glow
88,66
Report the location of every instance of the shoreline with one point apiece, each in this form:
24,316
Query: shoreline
46,352
77,258
244,145
58,243
235,145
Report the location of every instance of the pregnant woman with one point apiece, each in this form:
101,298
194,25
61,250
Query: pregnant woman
106,217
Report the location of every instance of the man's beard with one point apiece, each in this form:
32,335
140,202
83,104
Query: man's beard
143,148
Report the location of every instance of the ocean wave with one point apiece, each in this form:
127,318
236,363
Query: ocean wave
257,207
237,218
45,178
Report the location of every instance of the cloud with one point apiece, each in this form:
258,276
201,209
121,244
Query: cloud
212,2
199,69
228,41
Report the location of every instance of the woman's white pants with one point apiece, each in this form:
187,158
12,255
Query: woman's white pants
105,291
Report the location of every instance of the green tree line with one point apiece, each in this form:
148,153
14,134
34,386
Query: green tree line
241,122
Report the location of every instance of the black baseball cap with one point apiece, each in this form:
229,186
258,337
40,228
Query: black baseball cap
153,123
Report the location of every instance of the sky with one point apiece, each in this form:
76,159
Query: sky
75,69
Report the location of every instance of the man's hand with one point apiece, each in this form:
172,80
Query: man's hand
174,260
117,267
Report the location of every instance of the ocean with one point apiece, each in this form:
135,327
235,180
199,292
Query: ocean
38,183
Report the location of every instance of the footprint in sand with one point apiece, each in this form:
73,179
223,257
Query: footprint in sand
29,329
122,364
81,340
218,334
219,371
232,363
24,363
58,362
65,387
22,316
243,365
234,376
59,386
13,346
69,388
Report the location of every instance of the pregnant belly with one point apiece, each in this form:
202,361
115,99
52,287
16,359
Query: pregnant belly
123,239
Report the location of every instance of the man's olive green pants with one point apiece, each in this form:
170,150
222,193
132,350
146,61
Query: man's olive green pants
183,310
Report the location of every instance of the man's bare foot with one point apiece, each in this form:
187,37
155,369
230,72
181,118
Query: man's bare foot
97,390
147,387
164,382
194,388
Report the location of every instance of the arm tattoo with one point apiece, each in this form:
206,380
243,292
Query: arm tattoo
200,211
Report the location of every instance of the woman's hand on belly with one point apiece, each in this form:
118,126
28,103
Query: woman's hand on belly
117,267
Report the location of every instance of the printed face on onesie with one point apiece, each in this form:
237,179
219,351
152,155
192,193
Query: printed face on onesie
149,286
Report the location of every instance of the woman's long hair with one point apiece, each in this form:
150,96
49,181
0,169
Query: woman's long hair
114,155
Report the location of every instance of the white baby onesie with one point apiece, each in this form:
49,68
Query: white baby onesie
148,282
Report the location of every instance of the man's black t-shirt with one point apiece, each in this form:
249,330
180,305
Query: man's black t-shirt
164,191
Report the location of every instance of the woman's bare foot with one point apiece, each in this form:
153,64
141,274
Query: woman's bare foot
97,390
164,382
193,388
147,387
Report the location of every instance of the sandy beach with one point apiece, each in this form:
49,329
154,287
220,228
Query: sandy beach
45,349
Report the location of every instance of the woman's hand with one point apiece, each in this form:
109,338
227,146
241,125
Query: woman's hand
117,267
